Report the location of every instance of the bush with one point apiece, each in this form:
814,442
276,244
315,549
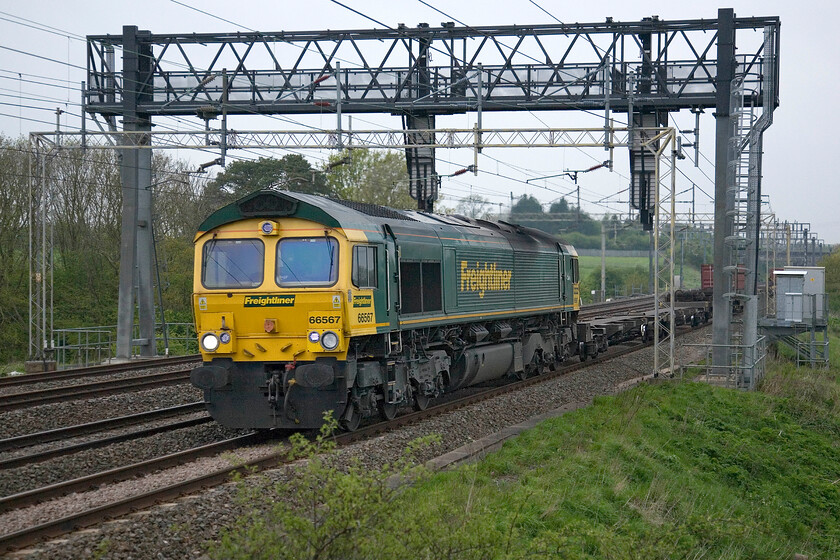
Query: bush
324,511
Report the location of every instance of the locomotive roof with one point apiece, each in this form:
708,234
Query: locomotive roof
338,213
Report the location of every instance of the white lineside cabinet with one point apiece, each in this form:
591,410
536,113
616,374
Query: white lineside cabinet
800,294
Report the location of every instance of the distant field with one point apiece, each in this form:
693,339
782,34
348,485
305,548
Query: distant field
588,264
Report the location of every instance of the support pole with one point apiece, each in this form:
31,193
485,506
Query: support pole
338,105
787,241
722,313
603,263
651,271
135,174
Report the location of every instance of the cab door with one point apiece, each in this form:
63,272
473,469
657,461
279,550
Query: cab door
561,263
390,266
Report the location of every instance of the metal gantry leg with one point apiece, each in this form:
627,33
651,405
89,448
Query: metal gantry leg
136,250
40,254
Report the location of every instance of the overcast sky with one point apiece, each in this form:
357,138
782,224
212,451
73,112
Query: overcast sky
799,162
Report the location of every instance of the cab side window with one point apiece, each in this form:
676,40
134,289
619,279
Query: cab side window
364,267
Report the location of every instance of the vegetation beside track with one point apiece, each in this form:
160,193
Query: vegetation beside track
671,470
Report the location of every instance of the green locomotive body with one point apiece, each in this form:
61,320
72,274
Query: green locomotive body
305,304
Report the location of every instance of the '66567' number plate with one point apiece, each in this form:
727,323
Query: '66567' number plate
324,319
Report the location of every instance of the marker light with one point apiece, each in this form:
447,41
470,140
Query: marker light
268,228
224,337
314,336
210,342
329,340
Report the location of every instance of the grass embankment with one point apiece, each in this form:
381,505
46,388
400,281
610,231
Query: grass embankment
666,471
673,470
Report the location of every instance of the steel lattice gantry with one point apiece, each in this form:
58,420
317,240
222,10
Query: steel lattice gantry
391,69
649,66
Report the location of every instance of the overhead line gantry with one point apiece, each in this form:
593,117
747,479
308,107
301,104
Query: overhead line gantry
646,69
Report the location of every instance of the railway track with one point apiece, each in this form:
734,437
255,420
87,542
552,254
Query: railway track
41,456
97,389
126,505
118,474
95,371
28,440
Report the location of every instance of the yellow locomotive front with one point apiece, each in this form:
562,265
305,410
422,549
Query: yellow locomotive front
270,303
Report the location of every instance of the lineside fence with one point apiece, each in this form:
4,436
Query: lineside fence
745,371
87,346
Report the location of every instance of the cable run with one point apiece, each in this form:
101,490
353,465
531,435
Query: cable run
44,58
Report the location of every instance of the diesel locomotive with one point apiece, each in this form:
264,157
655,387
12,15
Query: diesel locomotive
305,304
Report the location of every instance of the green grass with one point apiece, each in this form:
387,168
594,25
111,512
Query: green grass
6,369
590,265
669,471
674,470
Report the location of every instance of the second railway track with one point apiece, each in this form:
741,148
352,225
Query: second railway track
95,371
98,389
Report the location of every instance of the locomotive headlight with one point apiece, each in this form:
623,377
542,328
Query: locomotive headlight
329,340
314,336
210,342
224,337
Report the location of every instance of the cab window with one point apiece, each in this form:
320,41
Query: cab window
364,267
307,261
232,263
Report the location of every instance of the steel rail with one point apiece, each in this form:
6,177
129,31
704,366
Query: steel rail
102,442
98,389
95,371
28,440
119,474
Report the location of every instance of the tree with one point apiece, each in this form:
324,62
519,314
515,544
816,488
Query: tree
14,235
527,204
291,172
560,207
474,206
371,176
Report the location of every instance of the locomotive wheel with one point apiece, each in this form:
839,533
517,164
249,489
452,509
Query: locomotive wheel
351,418
387,411
421,402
